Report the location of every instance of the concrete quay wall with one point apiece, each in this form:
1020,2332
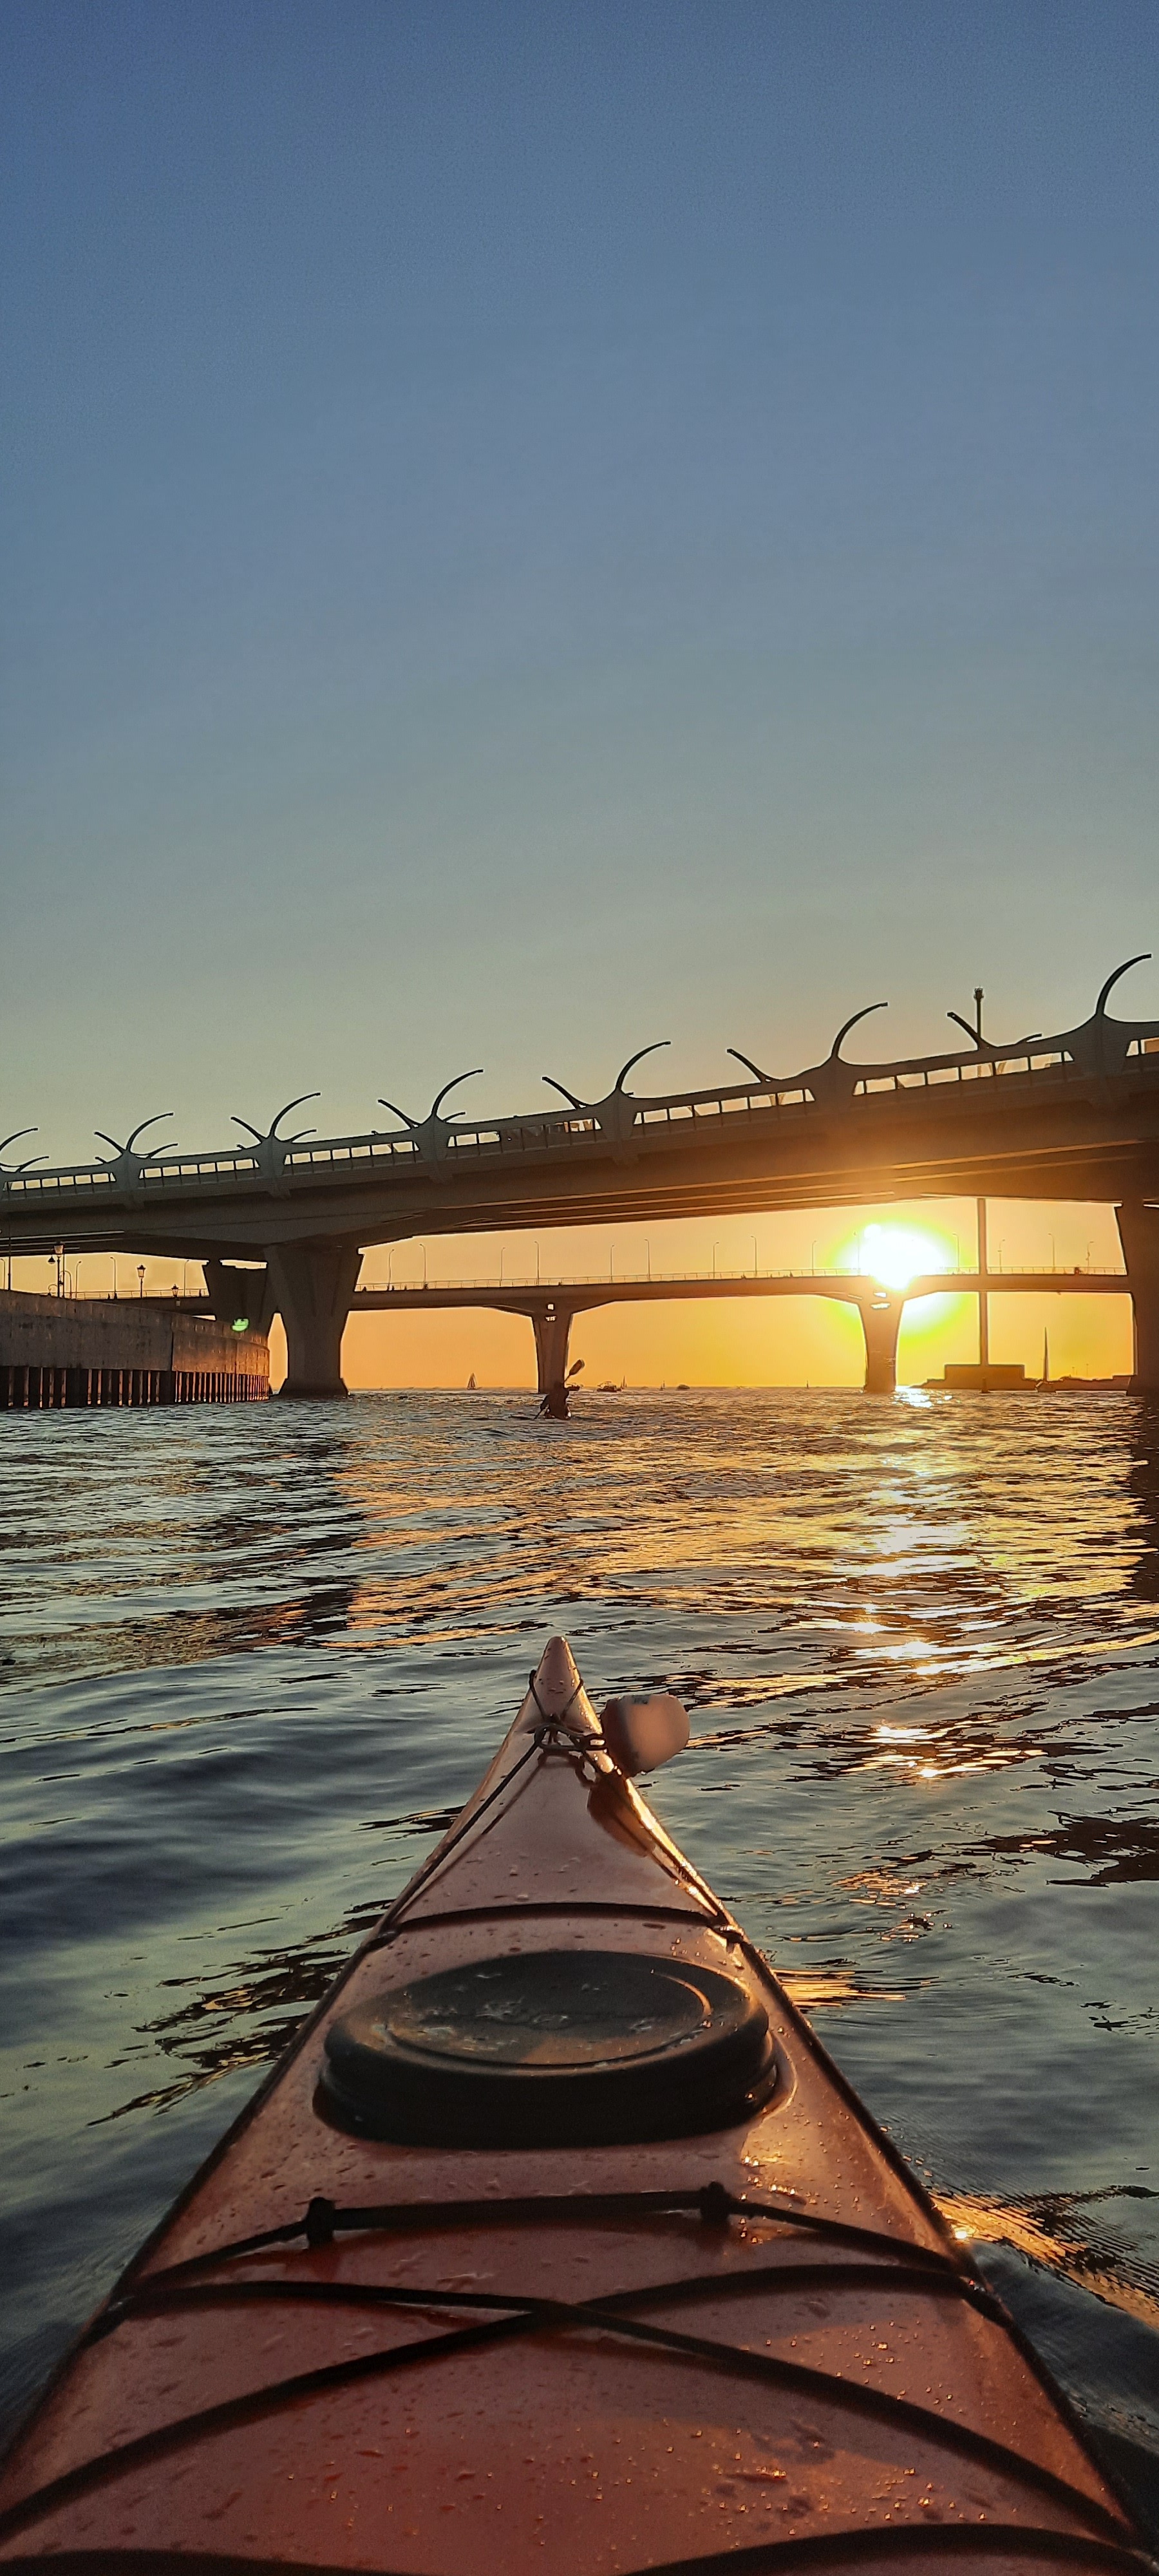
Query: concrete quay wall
95,1351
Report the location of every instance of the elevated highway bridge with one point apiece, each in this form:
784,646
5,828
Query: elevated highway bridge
1073,1115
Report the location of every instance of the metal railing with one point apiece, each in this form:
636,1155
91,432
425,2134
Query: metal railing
276,1161
949,1280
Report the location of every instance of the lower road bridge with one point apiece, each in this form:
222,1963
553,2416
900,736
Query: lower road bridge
551,1307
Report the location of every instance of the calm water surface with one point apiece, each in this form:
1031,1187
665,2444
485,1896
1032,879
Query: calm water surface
251,1660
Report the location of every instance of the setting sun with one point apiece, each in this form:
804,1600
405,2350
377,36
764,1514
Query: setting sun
896,1254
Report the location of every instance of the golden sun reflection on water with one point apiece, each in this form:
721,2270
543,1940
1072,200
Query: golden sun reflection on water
1048,2230
814,1989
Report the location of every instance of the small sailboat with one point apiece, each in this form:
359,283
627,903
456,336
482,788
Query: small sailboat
1044,1381
472,1384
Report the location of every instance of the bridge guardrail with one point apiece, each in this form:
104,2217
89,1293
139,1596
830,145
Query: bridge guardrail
548,1133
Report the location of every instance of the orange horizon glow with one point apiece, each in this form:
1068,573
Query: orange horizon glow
785,1342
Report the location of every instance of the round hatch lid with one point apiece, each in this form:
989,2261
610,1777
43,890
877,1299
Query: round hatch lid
552,2047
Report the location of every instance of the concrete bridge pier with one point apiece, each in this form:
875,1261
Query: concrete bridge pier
552,1331
236,1294
881,1317
311,1286
1139,1235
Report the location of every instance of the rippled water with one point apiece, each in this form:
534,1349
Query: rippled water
250,1660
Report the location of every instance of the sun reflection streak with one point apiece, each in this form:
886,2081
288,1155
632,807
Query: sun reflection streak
1051,2232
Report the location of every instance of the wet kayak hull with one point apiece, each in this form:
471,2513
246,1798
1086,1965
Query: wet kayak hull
747,2344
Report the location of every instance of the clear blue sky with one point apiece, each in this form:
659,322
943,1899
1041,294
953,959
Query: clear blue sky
531,528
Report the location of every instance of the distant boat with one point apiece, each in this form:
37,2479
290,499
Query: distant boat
1044,1381
471,1384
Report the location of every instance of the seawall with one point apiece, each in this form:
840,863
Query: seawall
126,1350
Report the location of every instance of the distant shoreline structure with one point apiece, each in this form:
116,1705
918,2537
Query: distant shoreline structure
963,1379
1008,1377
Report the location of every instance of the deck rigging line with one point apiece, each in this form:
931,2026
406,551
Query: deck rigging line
167,2299
322,2221
531,2315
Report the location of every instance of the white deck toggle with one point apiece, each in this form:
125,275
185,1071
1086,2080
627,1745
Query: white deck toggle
640,1734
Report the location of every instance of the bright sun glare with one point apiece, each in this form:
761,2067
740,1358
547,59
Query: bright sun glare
895,1255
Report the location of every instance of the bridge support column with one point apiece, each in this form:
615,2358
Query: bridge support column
881,1322
1139,1235
311,1285
552,1330
236,1294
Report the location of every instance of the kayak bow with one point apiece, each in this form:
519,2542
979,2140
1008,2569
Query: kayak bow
555,2241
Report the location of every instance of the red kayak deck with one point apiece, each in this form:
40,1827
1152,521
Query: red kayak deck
754,2347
